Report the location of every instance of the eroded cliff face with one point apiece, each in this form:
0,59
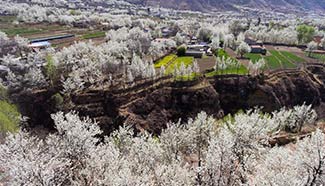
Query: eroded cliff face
180,101
151,105
284,88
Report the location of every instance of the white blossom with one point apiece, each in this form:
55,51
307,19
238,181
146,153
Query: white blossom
243,48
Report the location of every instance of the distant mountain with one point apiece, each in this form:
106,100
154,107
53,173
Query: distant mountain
207,5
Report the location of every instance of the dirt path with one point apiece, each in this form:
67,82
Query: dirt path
233,54
206,63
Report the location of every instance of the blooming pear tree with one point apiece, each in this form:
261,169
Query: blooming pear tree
179,39
215,44
202,151
3,37
311,47
257,67
243,48
287,35
229,41
323,42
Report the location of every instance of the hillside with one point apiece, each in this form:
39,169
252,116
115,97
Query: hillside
150,105
204,5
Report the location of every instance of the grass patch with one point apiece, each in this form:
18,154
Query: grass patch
93,35
177,63
165,60
189,77
242,70
222,53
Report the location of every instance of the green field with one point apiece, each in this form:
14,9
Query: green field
273,62
7,19
11,30
277,59
164,61
177,63
241,70
286,63
93,35
253,57
320,57
21,31
292,57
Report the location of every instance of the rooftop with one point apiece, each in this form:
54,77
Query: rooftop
40,44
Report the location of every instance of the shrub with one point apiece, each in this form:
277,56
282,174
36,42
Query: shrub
181,51
57,100
3,93
9,117
50,69
305,33
221,53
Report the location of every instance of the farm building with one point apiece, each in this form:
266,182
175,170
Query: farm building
318,39
39,45
193,40
163,40
200,47
194,53
250,41
166,32
51,38
257,49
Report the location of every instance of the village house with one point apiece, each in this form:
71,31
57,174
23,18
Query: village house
257,47
39,45
195,54
197,50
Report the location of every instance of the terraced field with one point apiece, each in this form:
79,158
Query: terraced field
165,60
27,30
277,59
172,61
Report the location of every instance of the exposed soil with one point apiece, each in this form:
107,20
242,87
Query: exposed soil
206,63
